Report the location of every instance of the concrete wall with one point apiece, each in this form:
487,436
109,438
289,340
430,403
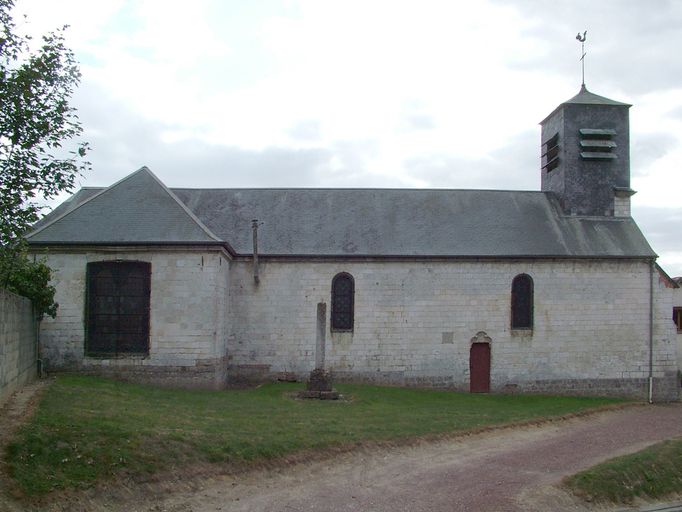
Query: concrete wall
17,343
187,318
414,322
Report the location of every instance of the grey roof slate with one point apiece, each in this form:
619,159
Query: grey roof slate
585,97
137,209
341,222
408,222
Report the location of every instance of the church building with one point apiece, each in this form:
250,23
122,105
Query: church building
551,291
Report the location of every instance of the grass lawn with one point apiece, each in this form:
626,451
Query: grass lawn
87,429
655,472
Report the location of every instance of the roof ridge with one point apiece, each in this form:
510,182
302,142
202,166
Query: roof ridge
181,204
355,189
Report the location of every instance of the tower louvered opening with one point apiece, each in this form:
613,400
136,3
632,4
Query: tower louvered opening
597,144
550,153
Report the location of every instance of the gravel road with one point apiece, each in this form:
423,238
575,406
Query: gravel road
506,470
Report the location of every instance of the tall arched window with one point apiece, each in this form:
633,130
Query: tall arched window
343,290
522,302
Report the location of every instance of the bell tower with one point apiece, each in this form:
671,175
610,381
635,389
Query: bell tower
586,155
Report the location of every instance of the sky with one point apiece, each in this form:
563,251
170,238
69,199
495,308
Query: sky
371,93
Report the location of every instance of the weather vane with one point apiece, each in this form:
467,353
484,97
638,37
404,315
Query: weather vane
582,38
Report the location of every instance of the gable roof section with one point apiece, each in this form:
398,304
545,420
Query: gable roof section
409,222
340,222
137,209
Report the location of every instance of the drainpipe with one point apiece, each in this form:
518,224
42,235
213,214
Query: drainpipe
651,331
36,326
254,226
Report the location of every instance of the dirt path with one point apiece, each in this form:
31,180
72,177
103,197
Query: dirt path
506,470
18,408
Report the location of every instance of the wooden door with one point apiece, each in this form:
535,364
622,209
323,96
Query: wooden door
479,367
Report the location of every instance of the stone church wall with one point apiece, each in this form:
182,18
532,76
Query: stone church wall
187,318
414,323
415,320
676,300
665,361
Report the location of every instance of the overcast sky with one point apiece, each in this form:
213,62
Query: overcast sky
316,93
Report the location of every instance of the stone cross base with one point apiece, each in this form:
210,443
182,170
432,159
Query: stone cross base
320,395
319,386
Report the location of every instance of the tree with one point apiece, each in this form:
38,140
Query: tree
36,121
30,279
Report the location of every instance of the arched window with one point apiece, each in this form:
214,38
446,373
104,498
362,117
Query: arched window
522,302
343,290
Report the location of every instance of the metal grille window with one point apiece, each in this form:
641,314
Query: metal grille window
522,302
118,308
343,290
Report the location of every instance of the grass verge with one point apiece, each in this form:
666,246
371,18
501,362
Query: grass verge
654,473
88,429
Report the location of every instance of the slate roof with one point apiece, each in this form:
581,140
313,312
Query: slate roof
339,222
585,97
137,209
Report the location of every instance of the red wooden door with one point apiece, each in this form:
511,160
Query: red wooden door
479,367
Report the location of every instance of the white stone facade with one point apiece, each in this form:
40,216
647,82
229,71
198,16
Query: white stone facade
414,322
676,300
187,316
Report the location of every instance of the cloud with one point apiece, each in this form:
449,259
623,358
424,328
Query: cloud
356,93
515,166
662,228
629,42
306,130
123,141
647,148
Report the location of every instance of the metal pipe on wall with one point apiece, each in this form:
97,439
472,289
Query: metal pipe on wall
254,226
651,330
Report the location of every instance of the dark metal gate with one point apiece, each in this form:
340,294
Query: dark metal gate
118,307
479,367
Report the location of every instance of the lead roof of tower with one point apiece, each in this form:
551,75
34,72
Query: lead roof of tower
585,97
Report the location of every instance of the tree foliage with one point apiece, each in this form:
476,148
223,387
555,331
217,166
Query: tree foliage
30,278
36,121
40,152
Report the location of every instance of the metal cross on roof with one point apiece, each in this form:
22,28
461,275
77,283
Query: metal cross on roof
582,39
